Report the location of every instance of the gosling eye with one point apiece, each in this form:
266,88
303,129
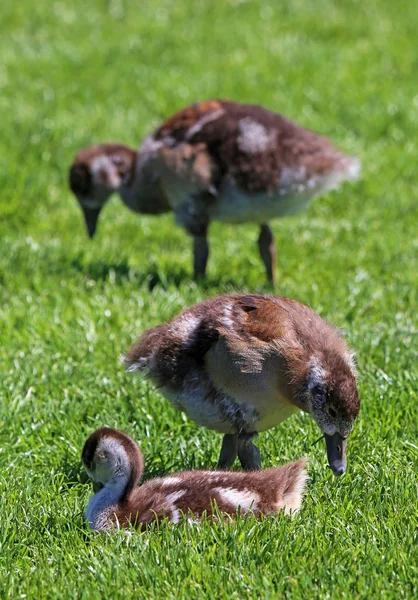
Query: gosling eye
318,393
332,412
101,455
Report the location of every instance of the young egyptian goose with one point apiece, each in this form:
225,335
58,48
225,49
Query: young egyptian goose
240,364
215,160
115,464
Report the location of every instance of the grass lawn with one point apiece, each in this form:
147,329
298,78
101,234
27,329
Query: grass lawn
74,73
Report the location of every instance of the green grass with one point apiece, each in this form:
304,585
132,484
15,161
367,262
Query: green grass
76,73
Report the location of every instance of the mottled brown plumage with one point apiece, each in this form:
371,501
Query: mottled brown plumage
258,170
214,160
240,364
115,464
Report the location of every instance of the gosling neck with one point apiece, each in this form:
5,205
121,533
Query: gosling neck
102,505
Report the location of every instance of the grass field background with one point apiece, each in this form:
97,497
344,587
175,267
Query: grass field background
75,73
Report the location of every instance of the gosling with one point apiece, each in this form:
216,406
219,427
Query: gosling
214,161
241,364
115,464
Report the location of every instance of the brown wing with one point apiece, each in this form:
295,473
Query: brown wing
250,143
178,125
266,320
257,321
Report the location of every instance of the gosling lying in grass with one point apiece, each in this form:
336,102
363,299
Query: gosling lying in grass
115,464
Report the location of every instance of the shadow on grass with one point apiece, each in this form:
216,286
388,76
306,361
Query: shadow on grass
75,473
121,272
151,278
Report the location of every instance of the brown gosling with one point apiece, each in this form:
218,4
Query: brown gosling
241,364
214,161
115,464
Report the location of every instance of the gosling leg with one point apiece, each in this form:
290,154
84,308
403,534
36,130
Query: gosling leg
267,250
229,451
200,255
248,454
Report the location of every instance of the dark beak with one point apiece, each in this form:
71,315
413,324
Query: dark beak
97,486
336,447
91,216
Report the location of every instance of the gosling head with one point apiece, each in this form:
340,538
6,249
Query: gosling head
97,172
330,394
111,458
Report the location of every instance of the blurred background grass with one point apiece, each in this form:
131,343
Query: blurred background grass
73,74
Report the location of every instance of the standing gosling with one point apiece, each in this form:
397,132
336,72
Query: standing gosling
214,161
240,364
115,464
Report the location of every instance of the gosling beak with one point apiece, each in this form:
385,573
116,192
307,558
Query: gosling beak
91,216
336,447
97,486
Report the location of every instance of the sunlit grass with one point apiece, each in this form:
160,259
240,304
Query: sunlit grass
76,73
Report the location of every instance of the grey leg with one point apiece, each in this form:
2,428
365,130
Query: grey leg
267,250
200,255
248,454
228,451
